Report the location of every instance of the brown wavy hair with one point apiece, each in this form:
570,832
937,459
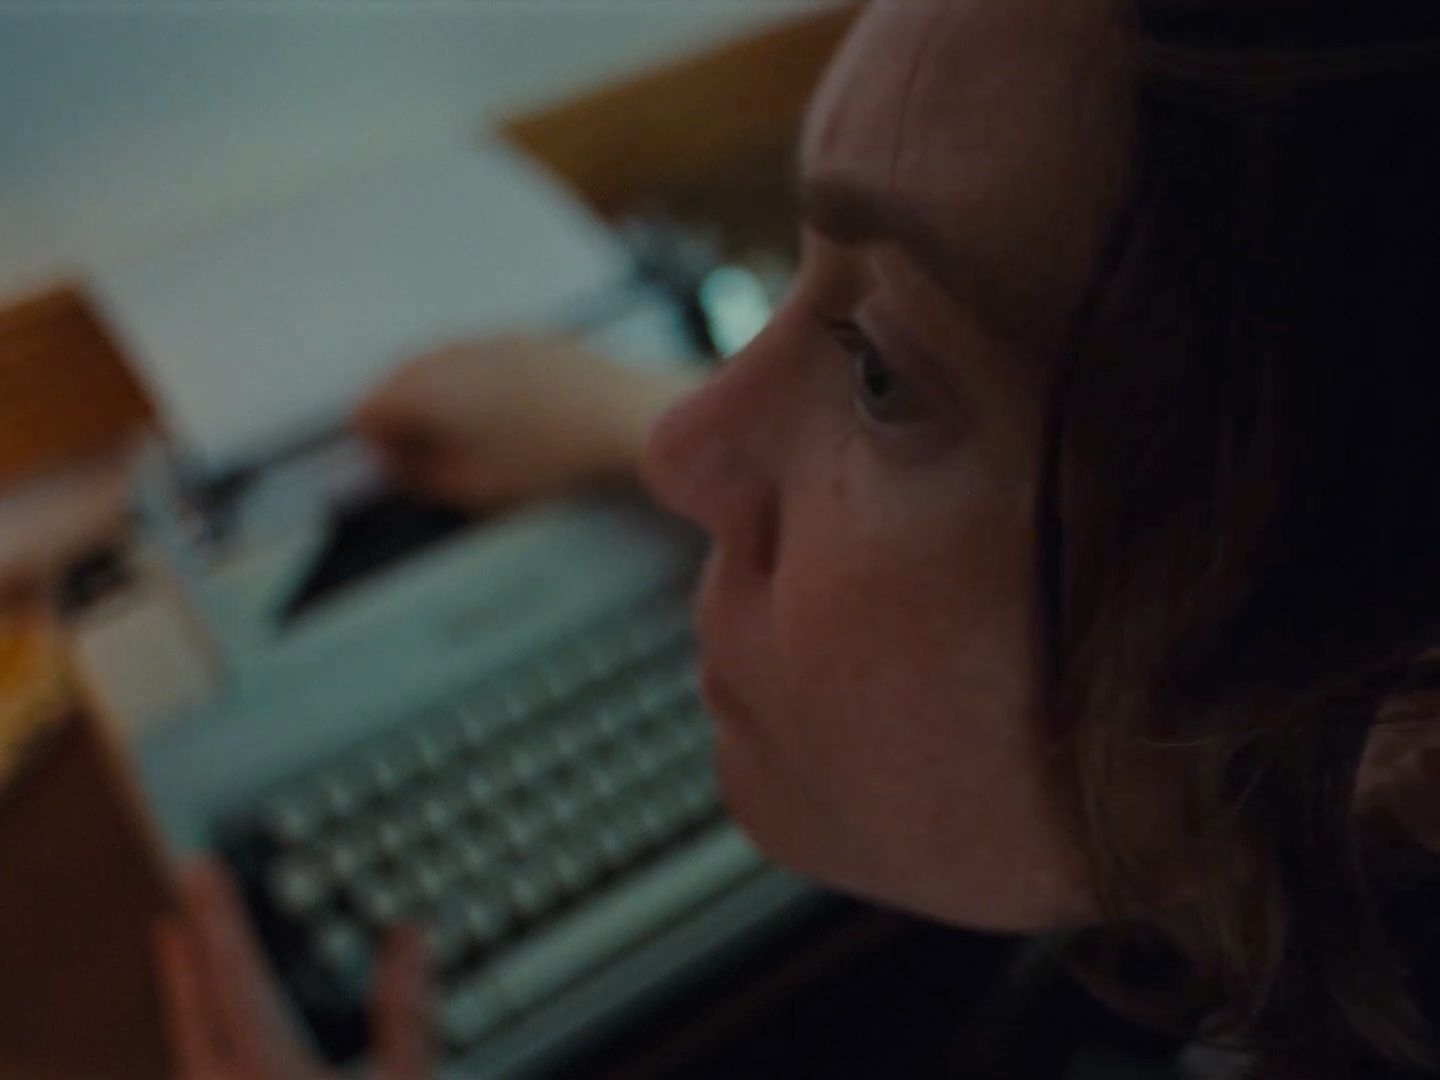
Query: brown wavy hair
1241,527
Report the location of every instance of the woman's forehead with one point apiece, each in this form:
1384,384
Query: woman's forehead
920,74
994,119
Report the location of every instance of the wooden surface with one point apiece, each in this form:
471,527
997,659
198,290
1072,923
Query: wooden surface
696,126
65,390
81,882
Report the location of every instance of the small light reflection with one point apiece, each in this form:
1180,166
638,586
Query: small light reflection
737,306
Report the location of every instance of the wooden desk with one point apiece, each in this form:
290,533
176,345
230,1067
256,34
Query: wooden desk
82,886
81,882
711,139
66,392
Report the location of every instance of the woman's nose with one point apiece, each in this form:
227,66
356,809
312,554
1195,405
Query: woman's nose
712,458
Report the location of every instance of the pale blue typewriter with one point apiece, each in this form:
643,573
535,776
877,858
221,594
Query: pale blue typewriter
492,729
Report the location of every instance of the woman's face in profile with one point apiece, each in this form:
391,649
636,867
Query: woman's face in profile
869,466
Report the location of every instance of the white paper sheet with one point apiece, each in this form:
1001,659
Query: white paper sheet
264,329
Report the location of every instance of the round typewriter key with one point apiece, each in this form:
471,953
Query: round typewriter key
485,919
349,855
533,888
521,825
601,782
478,856
577,863
396,833
298,884
447,937
480,789
291,820
620,838
343,949
562,807
382,903
438,813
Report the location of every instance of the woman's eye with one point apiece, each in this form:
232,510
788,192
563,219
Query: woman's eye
880,393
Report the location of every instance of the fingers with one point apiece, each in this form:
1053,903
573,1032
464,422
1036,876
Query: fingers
222,1011
466,483
466,477
239,989
400,1009
398,427
488,424
415,454
409,460
182,1004
404,405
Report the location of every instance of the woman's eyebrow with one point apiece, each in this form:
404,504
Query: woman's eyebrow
851,215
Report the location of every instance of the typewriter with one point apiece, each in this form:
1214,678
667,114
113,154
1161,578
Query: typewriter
387,712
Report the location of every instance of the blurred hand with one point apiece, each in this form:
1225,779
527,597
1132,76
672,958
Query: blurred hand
486,424
224,1014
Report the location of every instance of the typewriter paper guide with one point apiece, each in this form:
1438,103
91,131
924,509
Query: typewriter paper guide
263,330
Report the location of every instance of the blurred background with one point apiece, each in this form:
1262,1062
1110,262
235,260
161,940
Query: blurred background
224,629
129,124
